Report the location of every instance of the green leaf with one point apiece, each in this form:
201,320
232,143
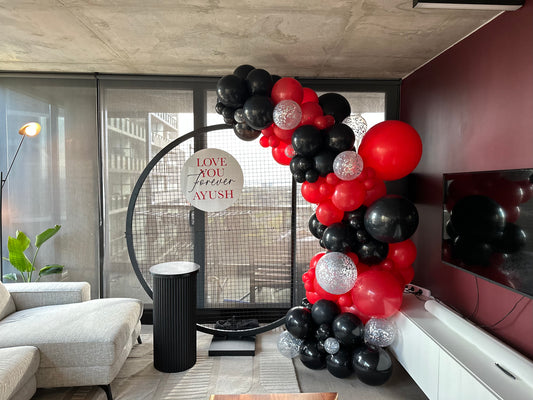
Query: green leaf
51,269
45,235
12,276
16,248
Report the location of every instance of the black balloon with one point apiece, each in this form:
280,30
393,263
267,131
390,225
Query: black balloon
391,219
324,312
336,237
340,137
300,164
336,105
512,240
259,82
307,140
229,121
478,216
299,322
238,115
322,332
371,251
242,71
244,132
324,162
299,176
232,91
471,250
340,363
311,175
372,365
228,112
311,356
355,219
258,112
315,227
348,329
306,303
219,107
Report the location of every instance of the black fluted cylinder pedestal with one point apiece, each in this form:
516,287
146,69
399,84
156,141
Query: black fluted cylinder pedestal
174,318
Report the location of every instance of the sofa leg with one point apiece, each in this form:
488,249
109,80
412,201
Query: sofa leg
139,340
107,390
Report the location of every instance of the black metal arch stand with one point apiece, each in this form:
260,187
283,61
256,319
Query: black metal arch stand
133,257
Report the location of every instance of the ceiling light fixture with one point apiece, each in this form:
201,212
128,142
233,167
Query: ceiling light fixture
501,5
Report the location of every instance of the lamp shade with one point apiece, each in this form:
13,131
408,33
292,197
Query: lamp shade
30,129
502,5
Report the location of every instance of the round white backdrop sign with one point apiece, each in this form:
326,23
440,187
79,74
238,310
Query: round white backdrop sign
211,180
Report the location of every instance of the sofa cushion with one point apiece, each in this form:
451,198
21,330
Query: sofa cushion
6,302
74,335
17,370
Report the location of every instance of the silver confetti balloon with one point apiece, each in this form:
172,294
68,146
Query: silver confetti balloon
288,345
287,114
357,123
348,165
336,273
331,345
380,332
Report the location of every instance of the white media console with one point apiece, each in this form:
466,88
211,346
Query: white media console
450,358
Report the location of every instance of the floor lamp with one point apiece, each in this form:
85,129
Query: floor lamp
30,129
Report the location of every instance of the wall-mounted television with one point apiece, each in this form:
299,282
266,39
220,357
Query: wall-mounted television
487,226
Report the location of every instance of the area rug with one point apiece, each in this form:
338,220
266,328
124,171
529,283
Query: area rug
267,372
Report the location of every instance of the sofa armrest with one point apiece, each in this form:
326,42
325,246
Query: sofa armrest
38,294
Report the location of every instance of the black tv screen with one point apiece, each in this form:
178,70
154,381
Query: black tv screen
487,226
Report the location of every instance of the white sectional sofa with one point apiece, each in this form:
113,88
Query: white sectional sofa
53,335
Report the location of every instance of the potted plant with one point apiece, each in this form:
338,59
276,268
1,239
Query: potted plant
17,256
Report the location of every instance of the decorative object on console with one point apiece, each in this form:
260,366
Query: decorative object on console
30,129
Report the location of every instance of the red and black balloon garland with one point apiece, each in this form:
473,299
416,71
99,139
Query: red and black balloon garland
366,232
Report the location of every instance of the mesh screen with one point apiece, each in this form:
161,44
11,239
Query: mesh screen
244,252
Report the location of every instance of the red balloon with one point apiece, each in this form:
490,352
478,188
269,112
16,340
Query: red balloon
309,284
408,273
402,253
310,111
310,96
282,134
377,293
355,311
377,191
273,141
326,190
328,214
332,179
264,141
311,191
287,89
314,260
312,296
345,300
361,268
268,131
392,148
279,155
348,195
324,122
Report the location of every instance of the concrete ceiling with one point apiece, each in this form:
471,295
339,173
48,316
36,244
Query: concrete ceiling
313,38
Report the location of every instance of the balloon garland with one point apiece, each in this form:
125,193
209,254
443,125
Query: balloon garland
357,282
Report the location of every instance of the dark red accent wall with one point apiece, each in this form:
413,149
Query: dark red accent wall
473,108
